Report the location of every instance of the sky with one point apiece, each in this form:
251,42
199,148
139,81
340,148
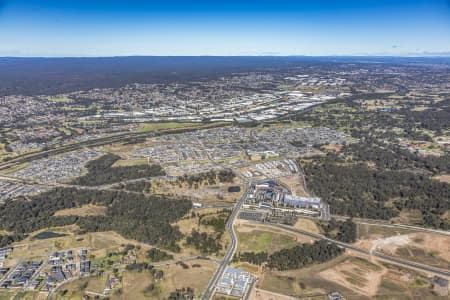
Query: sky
224,27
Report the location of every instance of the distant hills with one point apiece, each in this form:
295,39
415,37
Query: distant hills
58,75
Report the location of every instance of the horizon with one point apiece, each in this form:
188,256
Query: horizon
224,28
412,55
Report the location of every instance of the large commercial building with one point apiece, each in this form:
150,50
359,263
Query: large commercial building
235,282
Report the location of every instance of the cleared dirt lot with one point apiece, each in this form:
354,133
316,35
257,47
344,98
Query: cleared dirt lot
203,193
427,248
355,277
85,210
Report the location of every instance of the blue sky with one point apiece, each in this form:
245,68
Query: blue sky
223,27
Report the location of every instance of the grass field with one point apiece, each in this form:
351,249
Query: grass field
62,99
85,210
355,277
130,162
366,231
203,193
175,277
261,240
169,125
308,225
75,289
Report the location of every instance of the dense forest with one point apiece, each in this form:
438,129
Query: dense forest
256,258
342,231
155,255
101,171
144,218
303,255
204,242
359,191
293,258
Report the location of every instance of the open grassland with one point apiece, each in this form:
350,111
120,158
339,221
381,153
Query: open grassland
167,125
175,277
85,210
369,231
203,193
260,238
308,225
443,178
194,222
59,99
76,288
130,162
426,248
7,294
353,276
98,243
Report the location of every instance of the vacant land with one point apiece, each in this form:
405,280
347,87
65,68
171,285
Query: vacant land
170,125
256,238
85,210
354,277
426,248
370,232
259,294
203,193
294,183
131,162
356,274
308,225
196,276
443,178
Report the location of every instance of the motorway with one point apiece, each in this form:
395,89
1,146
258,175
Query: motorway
405,263
210,289
100,142
384,223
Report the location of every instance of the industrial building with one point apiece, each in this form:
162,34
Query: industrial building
270,194
235,282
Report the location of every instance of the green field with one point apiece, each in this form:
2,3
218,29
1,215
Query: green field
258,240
169,125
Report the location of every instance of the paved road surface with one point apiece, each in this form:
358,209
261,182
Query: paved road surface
417,266
209,292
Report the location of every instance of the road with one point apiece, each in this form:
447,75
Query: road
100,142
209,292
387,224
405,263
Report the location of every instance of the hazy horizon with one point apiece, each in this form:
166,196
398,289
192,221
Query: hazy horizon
224,28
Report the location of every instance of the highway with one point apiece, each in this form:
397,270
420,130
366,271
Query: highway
405,263
210,289
100,142
385,223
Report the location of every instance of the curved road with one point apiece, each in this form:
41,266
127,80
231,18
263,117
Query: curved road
210,289
417,266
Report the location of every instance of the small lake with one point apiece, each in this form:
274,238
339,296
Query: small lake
48,235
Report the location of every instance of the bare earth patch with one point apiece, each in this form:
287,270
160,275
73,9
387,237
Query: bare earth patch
307,225
85,210
259,294
361,277
443,178
203,193
426,248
